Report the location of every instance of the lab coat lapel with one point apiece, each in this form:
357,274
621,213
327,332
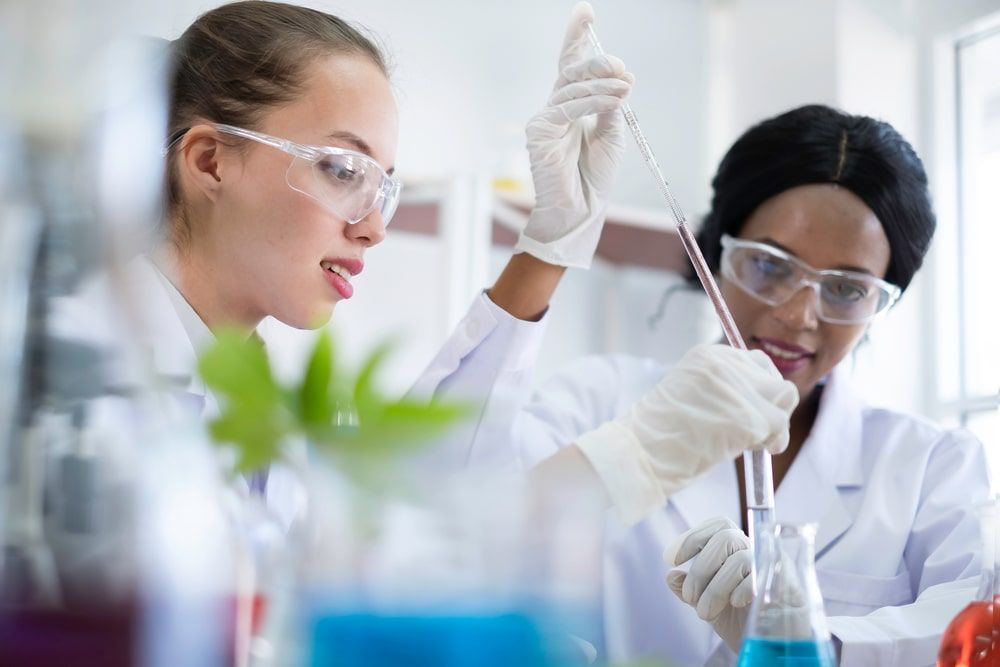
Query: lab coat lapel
828,466
715,494
166,337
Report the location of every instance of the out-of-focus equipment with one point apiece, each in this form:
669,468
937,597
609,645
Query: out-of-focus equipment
106,490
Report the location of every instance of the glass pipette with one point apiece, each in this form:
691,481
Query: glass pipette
756,465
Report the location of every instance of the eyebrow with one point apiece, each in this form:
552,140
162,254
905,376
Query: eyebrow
358,143
771,242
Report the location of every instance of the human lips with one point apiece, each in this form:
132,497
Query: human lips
787,357
339,271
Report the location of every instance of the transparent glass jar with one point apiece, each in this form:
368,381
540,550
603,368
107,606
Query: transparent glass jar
787,625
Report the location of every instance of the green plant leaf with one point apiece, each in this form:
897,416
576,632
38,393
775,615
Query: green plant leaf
316,403
391,428
258,414
255,436
367,400
238,371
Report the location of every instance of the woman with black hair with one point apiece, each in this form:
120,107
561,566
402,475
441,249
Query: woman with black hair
819,221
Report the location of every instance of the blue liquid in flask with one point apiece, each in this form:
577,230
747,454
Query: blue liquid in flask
786,653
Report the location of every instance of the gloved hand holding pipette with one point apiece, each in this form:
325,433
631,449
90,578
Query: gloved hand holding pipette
576,144
714,404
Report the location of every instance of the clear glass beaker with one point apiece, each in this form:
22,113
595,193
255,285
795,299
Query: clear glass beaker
972,639
787,625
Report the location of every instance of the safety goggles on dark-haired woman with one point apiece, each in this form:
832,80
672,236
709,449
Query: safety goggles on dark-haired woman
774,276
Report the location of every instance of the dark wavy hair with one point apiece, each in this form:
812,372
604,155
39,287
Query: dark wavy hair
817,144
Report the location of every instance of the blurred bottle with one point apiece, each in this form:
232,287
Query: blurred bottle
114,549
787,626
449,570
510,168
972,639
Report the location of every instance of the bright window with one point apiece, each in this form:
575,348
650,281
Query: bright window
976,254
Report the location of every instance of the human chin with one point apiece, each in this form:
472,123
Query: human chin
320,316
311,315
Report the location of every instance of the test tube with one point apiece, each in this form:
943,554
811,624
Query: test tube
757,464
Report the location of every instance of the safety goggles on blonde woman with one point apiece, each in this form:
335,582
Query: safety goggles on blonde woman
347,183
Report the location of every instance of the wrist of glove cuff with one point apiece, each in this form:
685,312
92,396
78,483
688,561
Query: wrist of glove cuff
570,236
625,469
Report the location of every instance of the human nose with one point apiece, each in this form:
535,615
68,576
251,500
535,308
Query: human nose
799,311
370,230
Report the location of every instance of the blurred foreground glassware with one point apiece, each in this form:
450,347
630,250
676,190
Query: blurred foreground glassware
460,569
972,639
114,548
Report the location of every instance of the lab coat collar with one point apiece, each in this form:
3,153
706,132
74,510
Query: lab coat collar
830,460
174,332
828,465
198,333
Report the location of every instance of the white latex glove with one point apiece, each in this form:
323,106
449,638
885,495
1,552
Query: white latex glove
575,144
716,402
718,583
719,586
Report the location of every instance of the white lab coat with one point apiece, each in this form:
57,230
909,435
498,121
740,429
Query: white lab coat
896,547
486,362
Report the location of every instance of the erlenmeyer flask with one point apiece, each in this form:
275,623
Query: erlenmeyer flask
972,639
787,625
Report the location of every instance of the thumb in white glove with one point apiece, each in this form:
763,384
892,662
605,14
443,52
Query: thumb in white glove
719,586
715,403
719,582
575,144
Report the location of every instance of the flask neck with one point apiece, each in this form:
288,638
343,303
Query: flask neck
989,535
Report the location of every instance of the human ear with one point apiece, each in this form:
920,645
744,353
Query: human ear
199,163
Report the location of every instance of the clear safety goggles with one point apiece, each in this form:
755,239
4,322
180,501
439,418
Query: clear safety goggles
348,183
774,277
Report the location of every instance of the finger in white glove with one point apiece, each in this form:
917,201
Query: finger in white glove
575,144
719,582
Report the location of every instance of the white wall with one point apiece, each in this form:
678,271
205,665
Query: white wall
470,74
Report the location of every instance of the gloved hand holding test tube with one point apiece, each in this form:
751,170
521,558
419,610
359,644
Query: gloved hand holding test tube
756,464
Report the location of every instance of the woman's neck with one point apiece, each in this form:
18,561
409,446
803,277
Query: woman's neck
799,426
204,286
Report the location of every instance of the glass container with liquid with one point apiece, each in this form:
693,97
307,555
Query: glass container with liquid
787,625
972,639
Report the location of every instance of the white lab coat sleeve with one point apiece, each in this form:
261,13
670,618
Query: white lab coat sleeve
577,399
942,556
487,363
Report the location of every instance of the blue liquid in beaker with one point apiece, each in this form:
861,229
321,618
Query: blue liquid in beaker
786,653
374,640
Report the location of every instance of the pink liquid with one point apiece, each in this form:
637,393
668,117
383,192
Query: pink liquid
972,639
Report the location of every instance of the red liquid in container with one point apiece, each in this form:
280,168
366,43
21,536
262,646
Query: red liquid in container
972,639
